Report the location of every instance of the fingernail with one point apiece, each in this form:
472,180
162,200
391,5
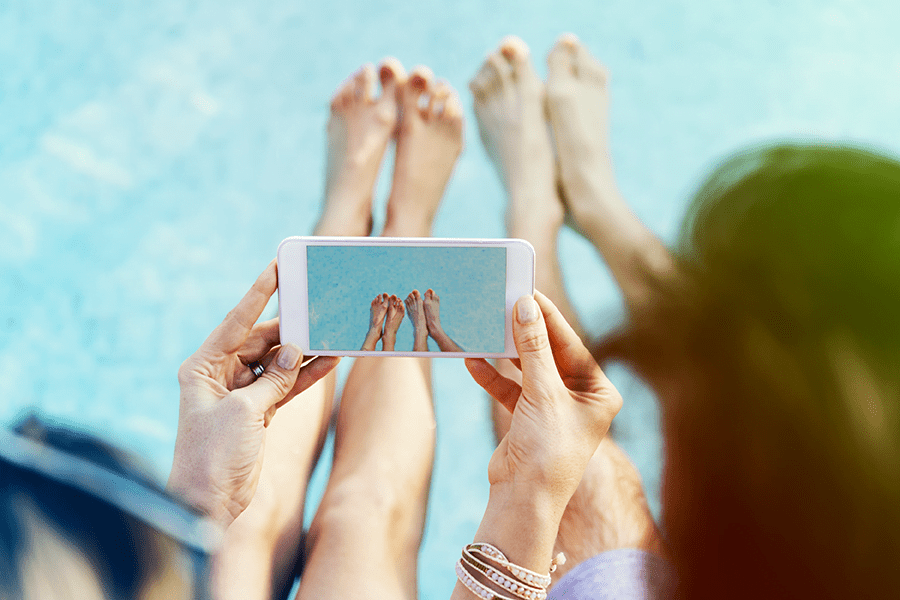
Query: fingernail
288,356
527,310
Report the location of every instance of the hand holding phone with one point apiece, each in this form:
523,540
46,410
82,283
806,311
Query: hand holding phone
402,296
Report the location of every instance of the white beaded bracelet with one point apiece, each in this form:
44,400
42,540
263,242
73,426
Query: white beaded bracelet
524,590
475,586
521,573
527,585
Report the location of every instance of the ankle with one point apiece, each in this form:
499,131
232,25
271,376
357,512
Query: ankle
404,224
344,222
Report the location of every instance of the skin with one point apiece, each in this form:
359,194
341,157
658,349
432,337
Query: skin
609,509
392,322
368,528
415,308
432,306
377,313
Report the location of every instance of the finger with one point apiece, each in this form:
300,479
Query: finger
576,366
244,375
533,346
277,380
263,337
504,390
239,322
310,373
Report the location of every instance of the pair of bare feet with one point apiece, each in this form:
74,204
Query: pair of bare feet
422,116
386,314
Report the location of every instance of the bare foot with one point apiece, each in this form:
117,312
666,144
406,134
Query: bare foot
392,323
377,312
429,141
416,311
432,304
578,105
360,127
509,107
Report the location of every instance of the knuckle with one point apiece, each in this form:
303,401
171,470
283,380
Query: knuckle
280,379
533,340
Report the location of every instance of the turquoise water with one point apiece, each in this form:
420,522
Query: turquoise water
470,283
153,155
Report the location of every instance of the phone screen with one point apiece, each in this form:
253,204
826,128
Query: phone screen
461,291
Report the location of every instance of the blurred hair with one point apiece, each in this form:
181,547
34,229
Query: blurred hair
123,553
775,347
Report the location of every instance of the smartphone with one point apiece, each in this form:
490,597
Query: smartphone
369,296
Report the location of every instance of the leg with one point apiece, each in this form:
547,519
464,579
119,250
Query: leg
432,305
578,105
608,510
392,323
365,538
509,107
261,547
416,310
377,313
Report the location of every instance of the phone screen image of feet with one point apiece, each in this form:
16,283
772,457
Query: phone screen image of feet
399,298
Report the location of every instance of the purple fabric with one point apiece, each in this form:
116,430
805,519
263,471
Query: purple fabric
626,574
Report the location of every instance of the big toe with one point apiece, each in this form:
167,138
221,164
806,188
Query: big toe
419,83
561,58
392,75
517,54
570,57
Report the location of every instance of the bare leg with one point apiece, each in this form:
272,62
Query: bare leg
392,323
432,305
377,312
578,105
609,508
415,308
261,548
365,538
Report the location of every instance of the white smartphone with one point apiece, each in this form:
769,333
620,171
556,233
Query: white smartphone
360,296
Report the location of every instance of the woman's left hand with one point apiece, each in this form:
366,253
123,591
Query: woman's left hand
225,409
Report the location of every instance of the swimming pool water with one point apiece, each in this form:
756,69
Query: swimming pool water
152,156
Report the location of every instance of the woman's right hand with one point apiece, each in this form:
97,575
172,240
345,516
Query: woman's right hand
560,413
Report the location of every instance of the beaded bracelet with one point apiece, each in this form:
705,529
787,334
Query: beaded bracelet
528,591
476,587
527,584
520,573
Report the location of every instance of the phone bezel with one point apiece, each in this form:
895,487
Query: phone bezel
293,299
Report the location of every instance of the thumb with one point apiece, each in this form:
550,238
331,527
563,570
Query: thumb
533,346
278,379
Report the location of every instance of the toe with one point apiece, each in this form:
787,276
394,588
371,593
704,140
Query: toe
561,59
482,82
440,92
364,83
518,56
344,94
501,67
392,74
453,110
420,82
